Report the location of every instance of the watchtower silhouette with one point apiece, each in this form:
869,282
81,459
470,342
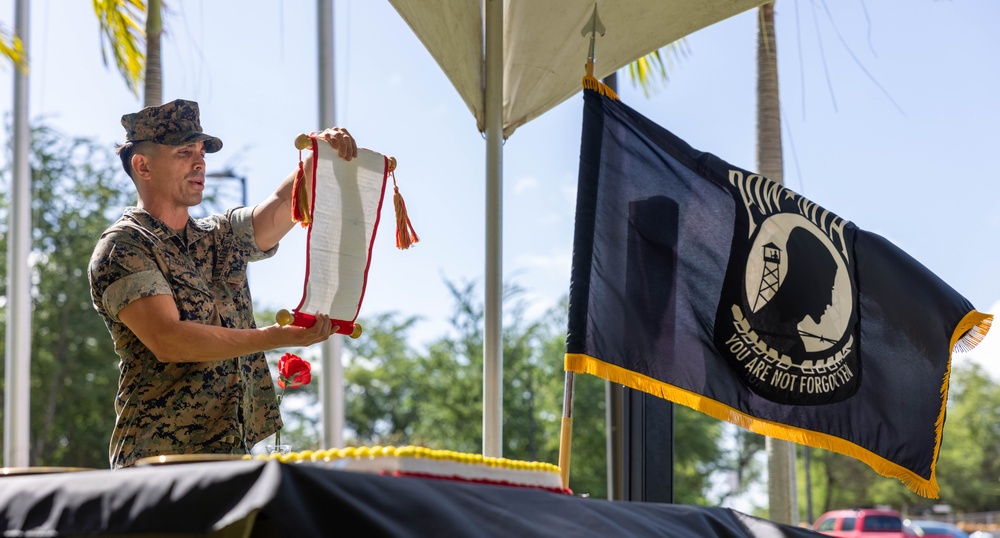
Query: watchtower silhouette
772,274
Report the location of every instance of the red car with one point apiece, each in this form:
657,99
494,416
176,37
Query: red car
861,523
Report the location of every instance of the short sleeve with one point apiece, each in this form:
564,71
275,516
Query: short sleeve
122,271
134,286
241,220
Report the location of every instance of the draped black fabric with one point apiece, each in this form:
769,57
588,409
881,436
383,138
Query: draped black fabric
302,500
716,288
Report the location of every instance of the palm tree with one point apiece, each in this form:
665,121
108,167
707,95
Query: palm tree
125,32
782,489
153,90
122,33
653,66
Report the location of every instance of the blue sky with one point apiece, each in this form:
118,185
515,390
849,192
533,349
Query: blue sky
890,117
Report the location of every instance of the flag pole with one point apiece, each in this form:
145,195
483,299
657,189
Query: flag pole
17,390
331,350
566,431
592,28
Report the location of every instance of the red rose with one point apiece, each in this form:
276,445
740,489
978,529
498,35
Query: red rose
293,371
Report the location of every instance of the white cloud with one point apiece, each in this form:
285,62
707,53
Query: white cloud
558,260
525,184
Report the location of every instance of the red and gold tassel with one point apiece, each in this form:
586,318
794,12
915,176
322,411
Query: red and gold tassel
300,197
405,234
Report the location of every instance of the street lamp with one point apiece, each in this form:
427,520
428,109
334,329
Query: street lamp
230,174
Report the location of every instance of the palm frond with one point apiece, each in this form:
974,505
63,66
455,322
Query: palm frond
122,31
12,48
653,69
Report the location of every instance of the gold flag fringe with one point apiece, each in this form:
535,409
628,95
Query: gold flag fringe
925,487
591,83
971,331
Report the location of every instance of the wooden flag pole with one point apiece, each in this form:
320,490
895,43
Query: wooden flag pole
566,432
593,27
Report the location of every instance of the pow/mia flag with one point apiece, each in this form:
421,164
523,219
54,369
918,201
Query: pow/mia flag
787,322
718,289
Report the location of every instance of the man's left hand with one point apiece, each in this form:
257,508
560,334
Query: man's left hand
340,140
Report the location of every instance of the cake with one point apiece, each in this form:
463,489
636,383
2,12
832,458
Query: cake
423,462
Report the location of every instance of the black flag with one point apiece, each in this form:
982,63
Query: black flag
718,289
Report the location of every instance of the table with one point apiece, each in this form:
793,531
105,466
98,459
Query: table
265,498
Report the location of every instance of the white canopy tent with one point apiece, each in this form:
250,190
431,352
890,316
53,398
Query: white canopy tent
543,49
513,60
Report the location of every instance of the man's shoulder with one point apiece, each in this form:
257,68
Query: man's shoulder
127,237
128,230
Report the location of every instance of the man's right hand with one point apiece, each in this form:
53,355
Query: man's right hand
307,336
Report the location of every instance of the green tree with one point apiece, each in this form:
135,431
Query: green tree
969,463
380,399
396,395
76,184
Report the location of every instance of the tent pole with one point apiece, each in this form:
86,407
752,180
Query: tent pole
492,337
18,355
332,380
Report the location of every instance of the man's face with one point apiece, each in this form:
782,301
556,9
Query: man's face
178,173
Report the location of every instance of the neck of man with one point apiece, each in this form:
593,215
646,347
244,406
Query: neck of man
174,217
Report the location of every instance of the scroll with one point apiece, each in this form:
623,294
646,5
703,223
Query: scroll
341,208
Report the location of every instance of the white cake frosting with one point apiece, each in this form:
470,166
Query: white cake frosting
428,463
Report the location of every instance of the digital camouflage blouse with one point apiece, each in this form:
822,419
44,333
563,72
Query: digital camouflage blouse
183,408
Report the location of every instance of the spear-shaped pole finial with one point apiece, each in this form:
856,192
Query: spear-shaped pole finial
593,27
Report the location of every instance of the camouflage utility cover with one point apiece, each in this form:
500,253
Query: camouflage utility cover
176,123
194,407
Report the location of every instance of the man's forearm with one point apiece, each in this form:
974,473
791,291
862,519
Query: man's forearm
155,321
272,218
189,341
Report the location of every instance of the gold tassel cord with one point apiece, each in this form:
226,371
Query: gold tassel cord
590,82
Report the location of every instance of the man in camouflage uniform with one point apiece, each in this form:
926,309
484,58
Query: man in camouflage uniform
173,292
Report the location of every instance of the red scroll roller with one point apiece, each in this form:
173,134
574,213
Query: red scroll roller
298,319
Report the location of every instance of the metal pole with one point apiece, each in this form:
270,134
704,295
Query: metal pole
614,394
492,337
332,379
18,354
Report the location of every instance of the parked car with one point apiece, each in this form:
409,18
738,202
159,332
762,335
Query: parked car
861,523
926,528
